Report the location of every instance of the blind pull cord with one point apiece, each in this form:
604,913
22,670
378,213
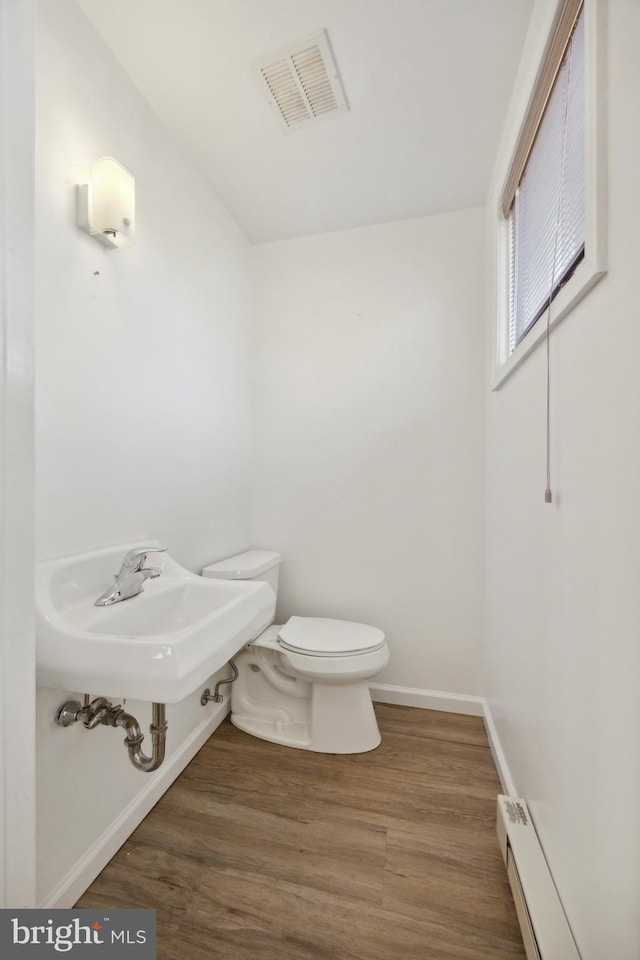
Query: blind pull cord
548,497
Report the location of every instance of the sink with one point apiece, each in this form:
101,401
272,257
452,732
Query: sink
160,645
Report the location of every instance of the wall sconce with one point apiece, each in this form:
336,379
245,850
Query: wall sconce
106,205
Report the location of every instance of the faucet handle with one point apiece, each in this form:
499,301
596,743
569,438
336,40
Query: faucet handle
135,558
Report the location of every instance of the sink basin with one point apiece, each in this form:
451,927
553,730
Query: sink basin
160,645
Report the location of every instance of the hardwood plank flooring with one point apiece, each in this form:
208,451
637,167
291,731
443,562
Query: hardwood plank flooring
263,852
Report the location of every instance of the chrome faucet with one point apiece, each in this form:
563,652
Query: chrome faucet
133,573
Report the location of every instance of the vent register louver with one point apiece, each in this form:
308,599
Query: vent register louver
301,81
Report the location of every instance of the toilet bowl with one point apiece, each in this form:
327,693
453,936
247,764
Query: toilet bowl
304,683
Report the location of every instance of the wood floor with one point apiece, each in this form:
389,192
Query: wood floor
262,852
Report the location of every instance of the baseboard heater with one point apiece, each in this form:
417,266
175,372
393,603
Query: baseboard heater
543,922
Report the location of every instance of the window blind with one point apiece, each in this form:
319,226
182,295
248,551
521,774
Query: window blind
546,219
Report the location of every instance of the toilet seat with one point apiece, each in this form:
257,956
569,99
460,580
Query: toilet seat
320,637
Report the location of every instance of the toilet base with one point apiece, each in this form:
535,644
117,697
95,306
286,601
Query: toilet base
268,703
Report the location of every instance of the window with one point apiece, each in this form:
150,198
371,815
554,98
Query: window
552,248
546,217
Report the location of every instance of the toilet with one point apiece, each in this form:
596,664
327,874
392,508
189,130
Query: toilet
304,683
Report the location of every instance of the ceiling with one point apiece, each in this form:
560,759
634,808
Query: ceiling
427,83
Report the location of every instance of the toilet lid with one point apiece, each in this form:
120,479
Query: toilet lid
326,638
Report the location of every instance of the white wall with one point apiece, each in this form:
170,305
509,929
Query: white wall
143,387
142,370
17,620
563,603
368,436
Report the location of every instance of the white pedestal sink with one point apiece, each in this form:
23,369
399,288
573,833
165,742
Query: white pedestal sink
159,645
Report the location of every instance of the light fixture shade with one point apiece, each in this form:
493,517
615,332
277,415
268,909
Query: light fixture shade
106,205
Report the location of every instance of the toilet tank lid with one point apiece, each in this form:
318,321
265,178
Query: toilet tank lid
243,566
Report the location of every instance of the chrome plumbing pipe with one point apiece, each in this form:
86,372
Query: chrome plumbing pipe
134,737
217,696
92,714
101,711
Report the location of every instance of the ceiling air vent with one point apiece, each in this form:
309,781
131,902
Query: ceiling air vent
301,81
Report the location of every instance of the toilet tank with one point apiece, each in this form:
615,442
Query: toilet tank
250,565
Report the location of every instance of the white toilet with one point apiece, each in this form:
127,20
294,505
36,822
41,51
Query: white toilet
304,683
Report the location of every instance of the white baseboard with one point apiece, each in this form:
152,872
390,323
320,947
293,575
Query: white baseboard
508,786
72,886
427,699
